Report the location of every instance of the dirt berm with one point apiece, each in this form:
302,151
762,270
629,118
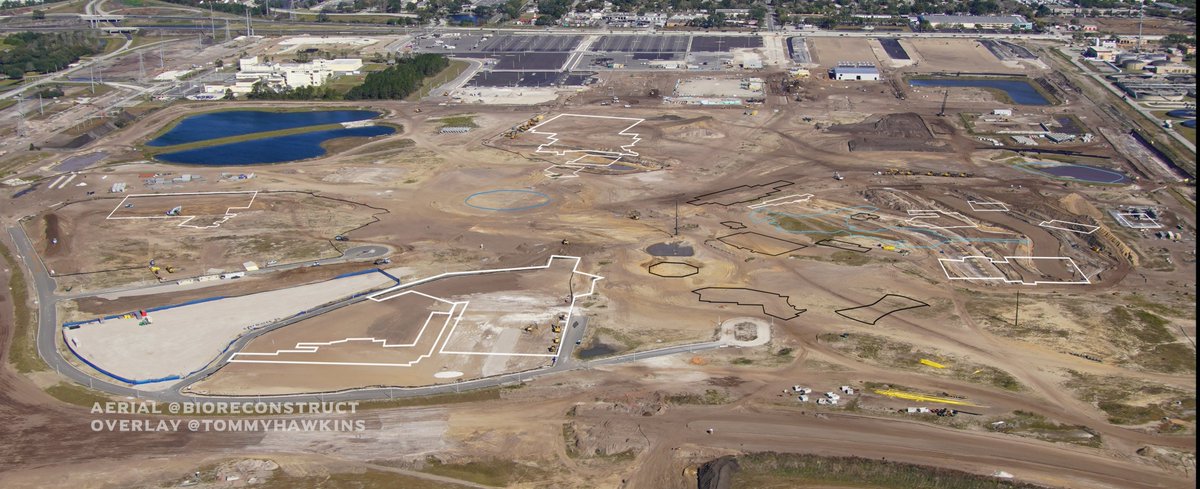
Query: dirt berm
717,474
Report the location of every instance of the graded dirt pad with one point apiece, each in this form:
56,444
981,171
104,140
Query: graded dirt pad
1019,270
184,339
575,133
85,308
771,303
892,132
281,226
194,210
956,55
480,325
829,51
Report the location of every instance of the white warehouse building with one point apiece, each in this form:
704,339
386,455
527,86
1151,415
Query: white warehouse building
867,73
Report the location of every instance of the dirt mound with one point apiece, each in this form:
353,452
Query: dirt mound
717,474
618,436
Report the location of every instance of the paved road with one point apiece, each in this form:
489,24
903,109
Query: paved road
48,328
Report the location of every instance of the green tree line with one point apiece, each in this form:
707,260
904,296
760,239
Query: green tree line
399,80
45,52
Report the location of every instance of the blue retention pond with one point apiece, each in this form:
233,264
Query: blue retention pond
1082,173
1020,91
214,125
270,150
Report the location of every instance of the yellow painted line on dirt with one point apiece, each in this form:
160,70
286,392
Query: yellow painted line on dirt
923,398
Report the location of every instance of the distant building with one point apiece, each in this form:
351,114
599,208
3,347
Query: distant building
864,73
285,75
1169,68
1102,53
978,21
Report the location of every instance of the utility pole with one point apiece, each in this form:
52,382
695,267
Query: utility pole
1141,19
1017,315
20,116
141,67
676,216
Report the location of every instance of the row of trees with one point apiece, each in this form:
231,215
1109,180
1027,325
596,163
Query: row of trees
400,79
261,91
25,52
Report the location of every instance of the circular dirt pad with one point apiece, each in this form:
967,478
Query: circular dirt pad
507,200
745,331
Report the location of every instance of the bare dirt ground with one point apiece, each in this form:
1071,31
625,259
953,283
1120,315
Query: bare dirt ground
282,227
644,424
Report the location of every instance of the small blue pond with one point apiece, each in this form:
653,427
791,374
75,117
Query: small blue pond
1082,173
1020,91
202,127
270,150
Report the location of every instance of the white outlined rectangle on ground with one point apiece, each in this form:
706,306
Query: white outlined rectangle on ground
1074,227
626,149
1136,220
445,329
918,218
790,199
185,217
993,206
989,269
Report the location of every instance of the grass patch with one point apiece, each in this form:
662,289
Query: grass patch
711,397
772,470
498,473
742,361
458,121
849,258
1033,425
76,394
370,479
1129,402
480,395
22,352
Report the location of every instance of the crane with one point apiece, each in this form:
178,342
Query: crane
945,96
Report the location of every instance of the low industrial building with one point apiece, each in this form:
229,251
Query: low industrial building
978,21
863,73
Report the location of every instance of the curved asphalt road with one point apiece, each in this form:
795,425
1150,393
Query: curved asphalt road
48,329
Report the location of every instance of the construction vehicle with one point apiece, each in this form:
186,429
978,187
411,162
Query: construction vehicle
556,329
170,269
340,238
154,269
838,176
175,211
383,261
556,341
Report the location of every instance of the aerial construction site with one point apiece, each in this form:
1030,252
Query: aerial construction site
584,258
